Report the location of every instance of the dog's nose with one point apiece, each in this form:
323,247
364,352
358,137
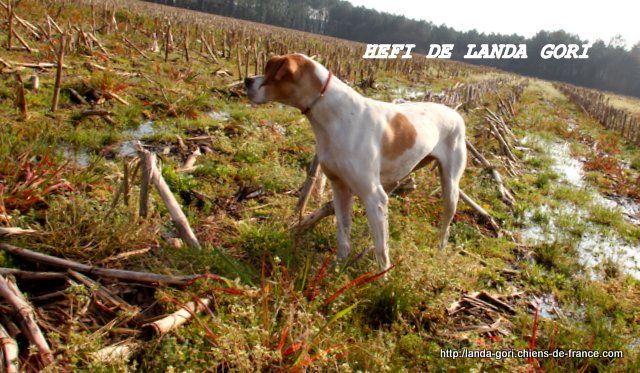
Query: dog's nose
248,82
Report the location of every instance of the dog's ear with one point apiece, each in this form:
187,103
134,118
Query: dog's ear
288,66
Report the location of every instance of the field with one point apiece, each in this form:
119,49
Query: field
548,259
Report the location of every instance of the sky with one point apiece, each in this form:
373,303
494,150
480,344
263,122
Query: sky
604,21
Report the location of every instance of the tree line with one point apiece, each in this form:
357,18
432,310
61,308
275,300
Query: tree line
609,67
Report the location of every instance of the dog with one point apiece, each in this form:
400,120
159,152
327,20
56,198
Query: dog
364,146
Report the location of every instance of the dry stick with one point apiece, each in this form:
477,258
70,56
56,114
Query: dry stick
506,271
506,147
189,163
125,183
146,173
477,208
32,276
116,198
35,83
313,218
505,194
28,26
166,43
21,101
101,292
134,47
91,66
239,63
10,5
480,304
77,96
53,22
208,47
175,211
490,299
119,274
246,65
41,65
116,97
154,46
23,42
102,48
9,349
119,352
10,292
49,296
176,319
13,231
502,125
307,187
507,197
125,255
56,88
185,44
104,114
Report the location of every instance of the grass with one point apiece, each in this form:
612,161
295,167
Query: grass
630,104
281,321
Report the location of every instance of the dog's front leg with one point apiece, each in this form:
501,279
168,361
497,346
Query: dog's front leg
376,204
342,203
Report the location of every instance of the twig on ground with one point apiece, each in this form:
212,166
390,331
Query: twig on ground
119,274
307,187
10,292
176,319
175,211
14,231
32,276
9,349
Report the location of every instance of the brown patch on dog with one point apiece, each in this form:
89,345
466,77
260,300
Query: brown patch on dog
399,136
290,77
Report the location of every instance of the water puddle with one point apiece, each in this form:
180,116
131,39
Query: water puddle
404,94
222,116
78,156
547,305
630,208
569,168
595,248
594,244
128,148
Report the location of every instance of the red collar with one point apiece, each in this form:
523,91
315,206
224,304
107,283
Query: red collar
324,90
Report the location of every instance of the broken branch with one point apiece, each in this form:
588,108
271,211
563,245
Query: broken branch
176,319
175,211
9,349
119,274
10,292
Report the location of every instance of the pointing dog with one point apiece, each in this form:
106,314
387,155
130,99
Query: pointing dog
364,146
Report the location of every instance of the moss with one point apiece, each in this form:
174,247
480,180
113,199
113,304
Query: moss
544,179
635,162
580,197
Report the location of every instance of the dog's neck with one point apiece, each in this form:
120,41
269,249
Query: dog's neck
324,113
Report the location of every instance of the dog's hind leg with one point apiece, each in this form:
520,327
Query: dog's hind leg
451,168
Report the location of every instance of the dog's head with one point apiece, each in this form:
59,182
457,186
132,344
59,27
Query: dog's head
291,79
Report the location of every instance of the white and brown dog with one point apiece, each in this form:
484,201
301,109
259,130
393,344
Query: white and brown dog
365,147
